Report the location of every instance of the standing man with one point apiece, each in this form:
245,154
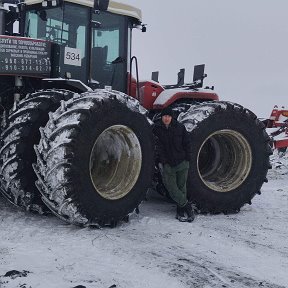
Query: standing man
174,149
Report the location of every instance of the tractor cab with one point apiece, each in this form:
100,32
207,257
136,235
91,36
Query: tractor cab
90,39
93,45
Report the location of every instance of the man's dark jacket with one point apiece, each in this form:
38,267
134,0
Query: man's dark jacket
173,143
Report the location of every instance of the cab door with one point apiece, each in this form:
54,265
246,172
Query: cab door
109,50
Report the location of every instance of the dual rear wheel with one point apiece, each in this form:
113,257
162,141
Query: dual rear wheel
92,162
230,156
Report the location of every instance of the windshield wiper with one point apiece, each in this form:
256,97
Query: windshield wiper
27,29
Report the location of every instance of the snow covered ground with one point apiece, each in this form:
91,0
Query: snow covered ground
249,249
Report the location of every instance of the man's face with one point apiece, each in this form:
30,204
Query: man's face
166,119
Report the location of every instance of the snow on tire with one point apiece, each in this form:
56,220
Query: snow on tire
230,156
95,158
19,136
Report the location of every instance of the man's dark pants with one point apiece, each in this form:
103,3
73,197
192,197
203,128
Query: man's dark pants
174,179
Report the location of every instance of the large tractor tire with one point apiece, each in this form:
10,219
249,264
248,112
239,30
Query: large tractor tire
95,159
230,157
20,134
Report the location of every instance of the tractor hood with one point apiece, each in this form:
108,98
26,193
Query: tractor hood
169,96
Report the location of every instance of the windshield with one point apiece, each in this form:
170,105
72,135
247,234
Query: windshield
66,26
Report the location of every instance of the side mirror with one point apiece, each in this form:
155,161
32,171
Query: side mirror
101,5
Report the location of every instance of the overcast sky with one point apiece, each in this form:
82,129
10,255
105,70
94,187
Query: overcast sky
244,44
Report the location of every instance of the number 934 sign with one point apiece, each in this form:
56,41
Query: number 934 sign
72,56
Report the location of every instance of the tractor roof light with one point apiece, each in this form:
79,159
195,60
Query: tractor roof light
51,3
140,26
144,28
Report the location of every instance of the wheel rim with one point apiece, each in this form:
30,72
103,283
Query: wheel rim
115,162
224,160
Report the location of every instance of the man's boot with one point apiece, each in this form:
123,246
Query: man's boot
180,214
189,211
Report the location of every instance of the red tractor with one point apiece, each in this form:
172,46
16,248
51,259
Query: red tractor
76,135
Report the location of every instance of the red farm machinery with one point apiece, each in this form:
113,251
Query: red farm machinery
76,137
278,122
